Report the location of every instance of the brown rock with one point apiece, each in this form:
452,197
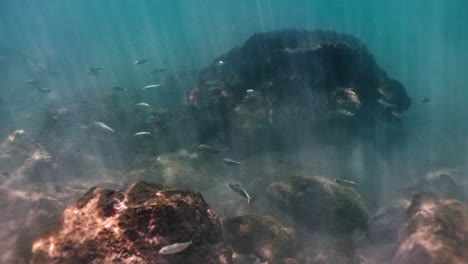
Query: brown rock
263,236
435,231
131,226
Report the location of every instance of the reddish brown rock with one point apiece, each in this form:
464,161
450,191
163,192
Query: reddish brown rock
435,231
131,226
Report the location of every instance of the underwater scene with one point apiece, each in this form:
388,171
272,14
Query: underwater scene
234,132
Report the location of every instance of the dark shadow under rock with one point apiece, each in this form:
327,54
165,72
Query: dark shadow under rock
320,203
131,226
435,231
382,241
321,248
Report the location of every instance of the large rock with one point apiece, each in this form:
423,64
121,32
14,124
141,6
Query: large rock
279,79
131,226
320,203
435,231
263,236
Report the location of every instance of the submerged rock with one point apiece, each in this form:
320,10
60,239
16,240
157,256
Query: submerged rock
23,159
279,79
131,226
320,203
441,183
263,236
435,231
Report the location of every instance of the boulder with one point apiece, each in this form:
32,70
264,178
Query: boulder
435,231
131,226
263,236
320,203
279,79
385,225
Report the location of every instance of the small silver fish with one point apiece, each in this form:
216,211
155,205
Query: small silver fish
32,82
344,112
156,71
384,93
119,89
220,63
54,72
143,104
238,189
140,62
175,248
142,133
249,91
232,162
209,148
385,103
94,70
43,90
104,126
346,182
151,86
211,82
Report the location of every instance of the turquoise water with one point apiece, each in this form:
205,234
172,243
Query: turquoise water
421,43
410,39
